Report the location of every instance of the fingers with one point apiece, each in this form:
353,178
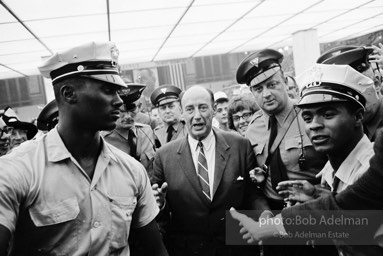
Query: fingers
289,183
164,188
155,186
237,216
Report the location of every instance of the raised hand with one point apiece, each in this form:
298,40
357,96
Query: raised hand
296,190
160,193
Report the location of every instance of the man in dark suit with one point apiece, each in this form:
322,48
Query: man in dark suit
198,183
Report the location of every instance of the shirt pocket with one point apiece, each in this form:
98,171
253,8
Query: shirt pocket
51,213
122,209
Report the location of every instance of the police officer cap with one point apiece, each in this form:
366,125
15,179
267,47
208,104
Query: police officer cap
96,60
11,119
356,57
131,94
333,83
165,94
48,117
259,66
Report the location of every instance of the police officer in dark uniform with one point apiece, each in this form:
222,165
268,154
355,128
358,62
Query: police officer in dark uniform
358,58
166,99
277,134
135,139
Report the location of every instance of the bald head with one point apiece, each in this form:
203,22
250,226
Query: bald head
197,104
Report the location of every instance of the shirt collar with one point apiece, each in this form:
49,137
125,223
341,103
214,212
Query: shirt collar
56,150
343,173
175,126
354,157
207,142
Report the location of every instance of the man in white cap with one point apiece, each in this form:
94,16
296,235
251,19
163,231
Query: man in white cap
221,103
69,192
332,106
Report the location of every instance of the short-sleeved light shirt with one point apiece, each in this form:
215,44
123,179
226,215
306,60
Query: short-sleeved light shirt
352,168
60,211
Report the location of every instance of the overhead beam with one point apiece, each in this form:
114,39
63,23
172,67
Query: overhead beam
171,32
14,70
271,28
108,16
24,25
223,31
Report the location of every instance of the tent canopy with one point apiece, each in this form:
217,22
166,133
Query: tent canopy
156,30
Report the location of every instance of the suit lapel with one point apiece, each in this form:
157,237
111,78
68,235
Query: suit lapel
221,156
185,159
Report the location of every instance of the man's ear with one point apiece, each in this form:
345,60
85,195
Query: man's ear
68,93
359,116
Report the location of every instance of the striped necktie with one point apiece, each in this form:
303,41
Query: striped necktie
203,171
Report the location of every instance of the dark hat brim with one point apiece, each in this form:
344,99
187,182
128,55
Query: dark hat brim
48,116
249,68
29,127
352,58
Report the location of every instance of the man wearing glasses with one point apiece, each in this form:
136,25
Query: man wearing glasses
166,99
5,135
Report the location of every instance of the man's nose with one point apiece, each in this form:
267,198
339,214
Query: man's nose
266,92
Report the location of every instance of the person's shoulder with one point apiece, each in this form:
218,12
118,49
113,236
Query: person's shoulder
229,135
124,158
159,128
256,116
142,126
171,146
106,133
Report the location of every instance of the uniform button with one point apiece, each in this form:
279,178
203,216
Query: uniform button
96,224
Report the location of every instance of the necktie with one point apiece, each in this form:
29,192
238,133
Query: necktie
203,172
335,183
132,143
170,133
277,169
273,130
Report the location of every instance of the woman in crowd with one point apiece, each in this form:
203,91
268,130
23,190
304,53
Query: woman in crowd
241,109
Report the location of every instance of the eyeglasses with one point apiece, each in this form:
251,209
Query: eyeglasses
245,116
7,130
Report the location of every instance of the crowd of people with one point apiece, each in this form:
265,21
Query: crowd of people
201,172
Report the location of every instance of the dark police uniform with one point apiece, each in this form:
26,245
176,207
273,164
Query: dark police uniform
357,58
163,95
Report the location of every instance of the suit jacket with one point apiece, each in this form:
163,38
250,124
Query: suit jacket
198,225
